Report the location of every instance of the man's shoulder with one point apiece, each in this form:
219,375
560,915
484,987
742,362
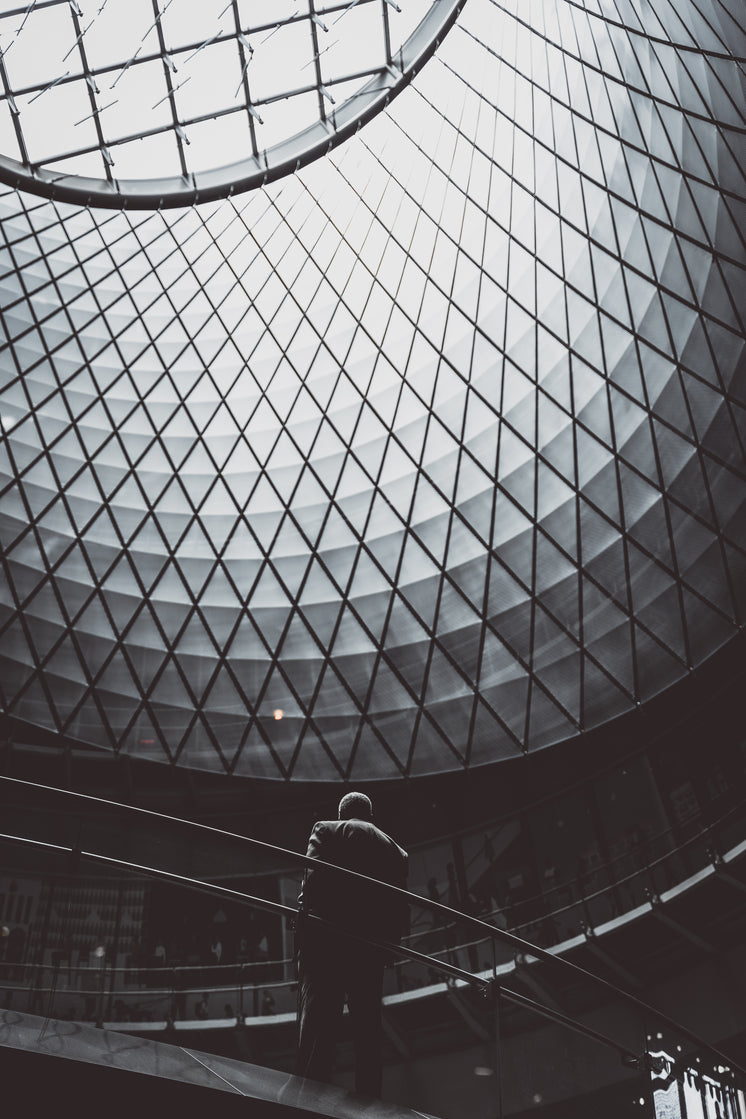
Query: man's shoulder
352,830
322,834
371,833
325,825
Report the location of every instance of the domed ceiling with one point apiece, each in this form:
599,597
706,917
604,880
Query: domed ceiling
428,455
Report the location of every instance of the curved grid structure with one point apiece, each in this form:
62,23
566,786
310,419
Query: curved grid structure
163,103
436,447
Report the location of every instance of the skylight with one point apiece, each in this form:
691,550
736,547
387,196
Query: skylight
151,103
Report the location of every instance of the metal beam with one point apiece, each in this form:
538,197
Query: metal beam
682,930
471,1019
396,1039
607,959
526,974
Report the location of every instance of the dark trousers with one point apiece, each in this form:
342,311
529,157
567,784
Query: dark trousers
330,968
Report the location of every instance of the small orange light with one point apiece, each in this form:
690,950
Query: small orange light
277,713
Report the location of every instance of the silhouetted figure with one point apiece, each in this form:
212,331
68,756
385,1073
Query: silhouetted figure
331,965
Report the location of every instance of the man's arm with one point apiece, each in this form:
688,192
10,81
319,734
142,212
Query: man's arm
314,851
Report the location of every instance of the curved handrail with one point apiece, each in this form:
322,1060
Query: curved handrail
489,987
517,944
491,914
584,899
228,893
575,883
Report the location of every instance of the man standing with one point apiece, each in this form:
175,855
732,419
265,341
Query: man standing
332,965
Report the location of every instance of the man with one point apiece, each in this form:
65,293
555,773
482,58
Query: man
332,965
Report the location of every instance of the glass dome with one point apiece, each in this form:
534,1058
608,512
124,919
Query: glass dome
428,455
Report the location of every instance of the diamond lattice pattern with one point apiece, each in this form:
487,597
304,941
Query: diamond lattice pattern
436,447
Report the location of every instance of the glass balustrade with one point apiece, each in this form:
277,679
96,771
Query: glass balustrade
161,928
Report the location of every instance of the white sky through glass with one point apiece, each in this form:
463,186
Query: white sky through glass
147,90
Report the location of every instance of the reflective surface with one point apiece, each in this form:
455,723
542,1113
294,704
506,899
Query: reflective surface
436,447
32,1034
476,1023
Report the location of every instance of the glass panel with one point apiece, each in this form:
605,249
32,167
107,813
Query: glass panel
477,1023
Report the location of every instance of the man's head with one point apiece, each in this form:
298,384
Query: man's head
355,806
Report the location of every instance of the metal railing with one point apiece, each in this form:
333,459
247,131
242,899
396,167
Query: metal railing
80,827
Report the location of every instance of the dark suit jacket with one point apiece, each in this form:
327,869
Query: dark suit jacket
355,905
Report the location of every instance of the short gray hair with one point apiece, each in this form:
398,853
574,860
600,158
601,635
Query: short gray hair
355,806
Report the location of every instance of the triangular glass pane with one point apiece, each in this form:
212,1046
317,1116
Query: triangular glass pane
277,695
170,694
445,683
16,671
338,547
430,518
469,577
45,620
248,655
351,639
225,698
323,476
242,552
706,403
145,644
611,644
39,705
25,568
656,603
318,587
640,498
517,466
422,597
240,465
264,510
490,741
514,539
220,530
355,495
387,694
547,722
332,704
197,474
602,699
117,680
299,644
220,594
254,759
384,755
662,667
431,753
702,619
269,607
315,762
65,676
